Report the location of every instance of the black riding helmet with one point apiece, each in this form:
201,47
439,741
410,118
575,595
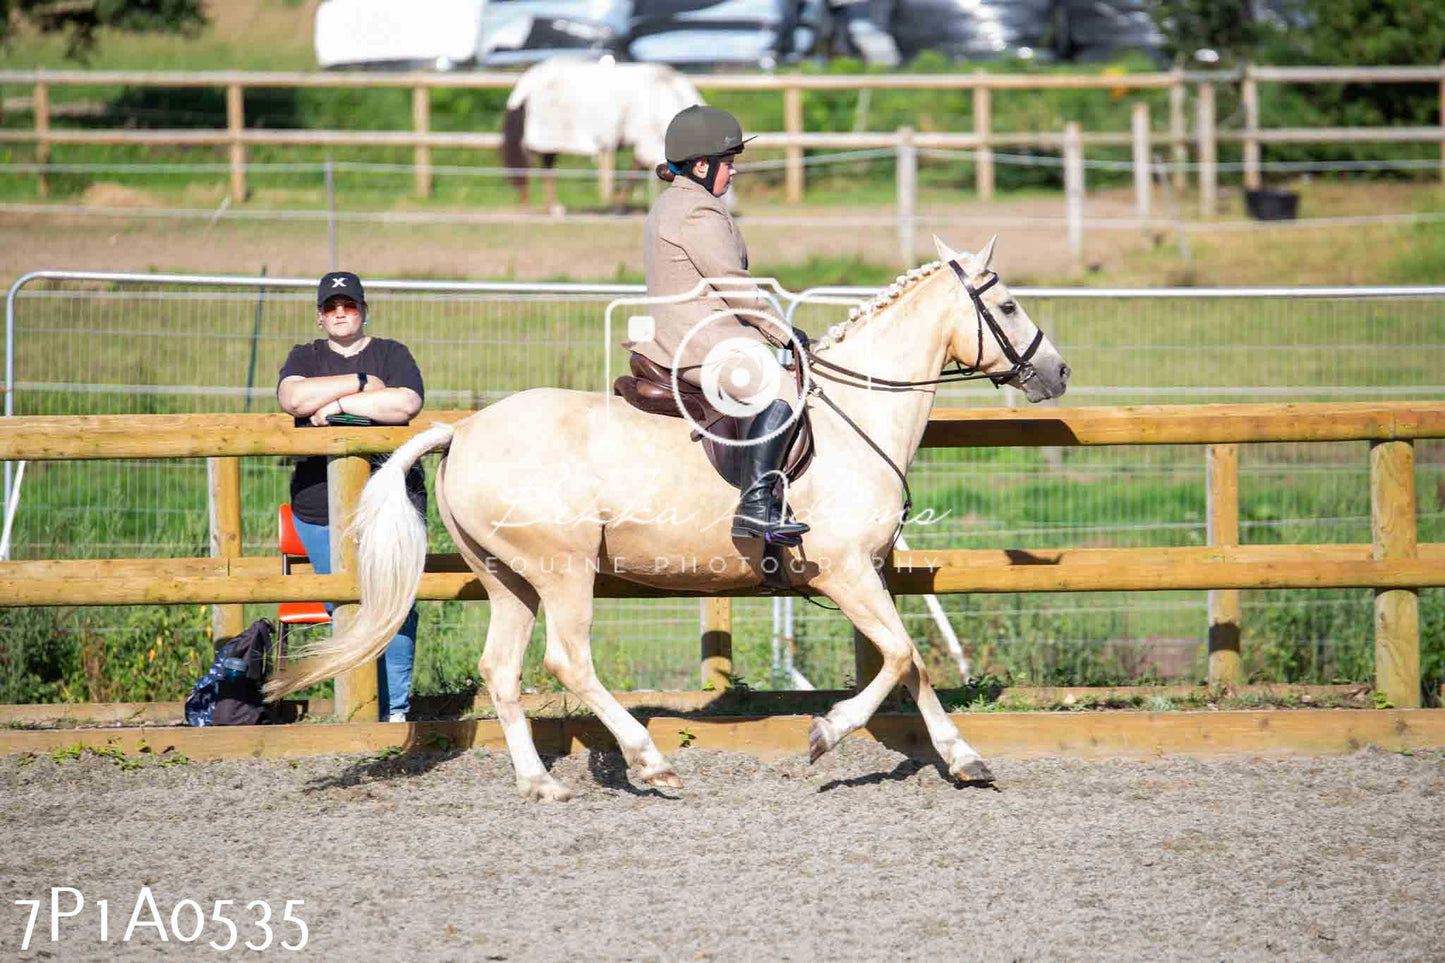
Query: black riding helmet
702,132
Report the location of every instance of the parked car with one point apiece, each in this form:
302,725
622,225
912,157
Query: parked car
517,32
705,34
1093,30
978,30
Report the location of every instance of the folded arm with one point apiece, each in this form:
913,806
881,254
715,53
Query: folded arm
315,398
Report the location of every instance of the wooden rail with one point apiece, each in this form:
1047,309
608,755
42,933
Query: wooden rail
1393,564
80,437
793,139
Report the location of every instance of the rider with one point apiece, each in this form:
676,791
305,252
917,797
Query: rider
690,236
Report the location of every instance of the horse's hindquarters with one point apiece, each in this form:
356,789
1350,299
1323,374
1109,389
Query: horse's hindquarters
565,483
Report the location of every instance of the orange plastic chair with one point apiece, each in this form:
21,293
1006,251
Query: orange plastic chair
293,613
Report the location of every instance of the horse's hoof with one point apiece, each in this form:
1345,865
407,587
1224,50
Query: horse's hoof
973,771
543,789
820,739
667,779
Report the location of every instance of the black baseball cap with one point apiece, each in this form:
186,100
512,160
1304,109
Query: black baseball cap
340,284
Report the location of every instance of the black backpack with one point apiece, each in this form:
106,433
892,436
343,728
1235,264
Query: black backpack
233,698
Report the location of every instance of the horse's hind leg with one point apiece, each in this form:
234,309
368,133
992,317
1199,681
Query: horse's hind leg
513,613
568,601
870,608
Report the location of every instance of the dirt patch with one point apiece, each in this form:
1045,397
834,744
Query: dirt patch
868,855
1032,249
103,194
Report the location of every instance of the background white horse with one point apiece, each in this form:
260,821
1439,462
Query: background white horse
546,488
570,106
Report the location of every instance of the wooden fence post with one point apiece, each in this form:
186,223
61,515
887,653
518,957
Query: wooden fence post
1074,191
983,126
346,475
716,615
1143,182
606,175
793,125
1397,611
1178,131
1208,167
42,128
1222,514
235,124
1249,96
223,483
421,123
906,174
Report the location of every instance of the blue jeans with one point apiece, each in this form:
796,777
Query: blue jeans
393,670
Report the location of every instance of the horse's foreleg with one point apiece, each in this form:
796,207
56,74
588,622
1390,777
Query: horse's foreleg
569,657
871,610
963,760
548,162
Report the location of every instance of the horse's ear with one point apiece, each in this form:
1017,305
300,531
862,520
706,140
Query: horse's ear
981,261
945,253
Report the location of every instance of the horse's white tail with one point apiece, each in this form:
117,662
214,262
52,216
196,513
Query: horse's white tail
390,557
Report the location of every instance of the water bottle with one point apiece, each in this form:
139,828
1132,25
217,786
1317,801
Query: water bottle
233,668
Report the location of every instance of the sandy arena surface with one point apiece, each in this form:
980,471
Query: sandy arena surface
866,856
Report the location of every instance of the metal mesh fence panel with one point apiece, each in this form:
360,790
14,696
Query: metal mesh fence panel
111,347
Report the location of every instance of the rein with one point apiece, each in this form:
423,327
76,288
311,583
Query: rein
1022,368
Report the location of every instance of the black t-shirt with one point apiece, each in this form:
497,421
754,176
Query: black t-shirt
386,359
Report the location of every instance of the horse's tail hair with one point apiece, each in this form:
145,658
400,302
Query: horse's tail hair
390,557
514,156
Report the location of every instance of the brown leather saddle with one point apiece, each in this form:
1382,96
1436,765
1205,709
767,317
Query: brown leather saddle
649,389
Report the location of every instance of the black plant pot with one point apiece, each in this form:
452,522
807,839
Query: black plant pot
1269,204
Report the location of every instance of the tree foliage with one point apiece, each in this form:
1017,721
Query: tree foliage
1228,27
1334,32
1371,33
79,20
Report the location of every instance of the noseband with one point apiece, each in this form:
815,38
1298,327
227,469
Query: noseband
1022,365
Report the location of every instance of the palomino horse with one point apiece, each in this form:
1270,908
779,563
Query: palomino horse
547,487
570,106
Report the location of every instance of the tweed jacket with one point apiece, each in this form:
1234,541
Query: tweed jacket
690,235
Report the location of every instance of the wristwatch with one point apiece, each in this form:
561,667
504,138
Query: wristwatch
361,379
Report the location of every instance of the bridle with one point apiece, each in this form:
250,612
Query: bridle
1022,369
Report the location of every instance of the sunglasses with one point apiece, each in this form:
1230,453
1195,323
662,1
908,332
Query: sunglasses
346,304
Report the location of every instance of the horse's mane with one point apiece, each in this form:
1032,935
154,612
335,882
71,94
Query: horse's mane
861,315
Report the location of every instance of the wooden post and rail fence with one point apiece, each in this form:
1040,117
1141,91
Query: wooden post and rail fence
793,140
1394,564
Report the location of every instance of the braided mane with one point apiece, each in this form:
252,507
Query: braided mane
859,316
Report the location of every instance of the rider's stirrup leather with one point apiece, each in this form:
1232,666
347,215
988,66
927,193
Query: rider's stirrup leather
760,512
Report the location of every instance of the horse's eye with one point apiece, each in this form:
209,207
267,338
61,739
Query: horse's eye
1009,307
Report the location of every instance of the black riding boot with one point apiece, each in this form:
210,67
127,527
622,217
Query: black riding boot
760,512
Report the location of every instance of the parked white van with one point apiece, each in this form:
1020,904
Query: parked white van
434,35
